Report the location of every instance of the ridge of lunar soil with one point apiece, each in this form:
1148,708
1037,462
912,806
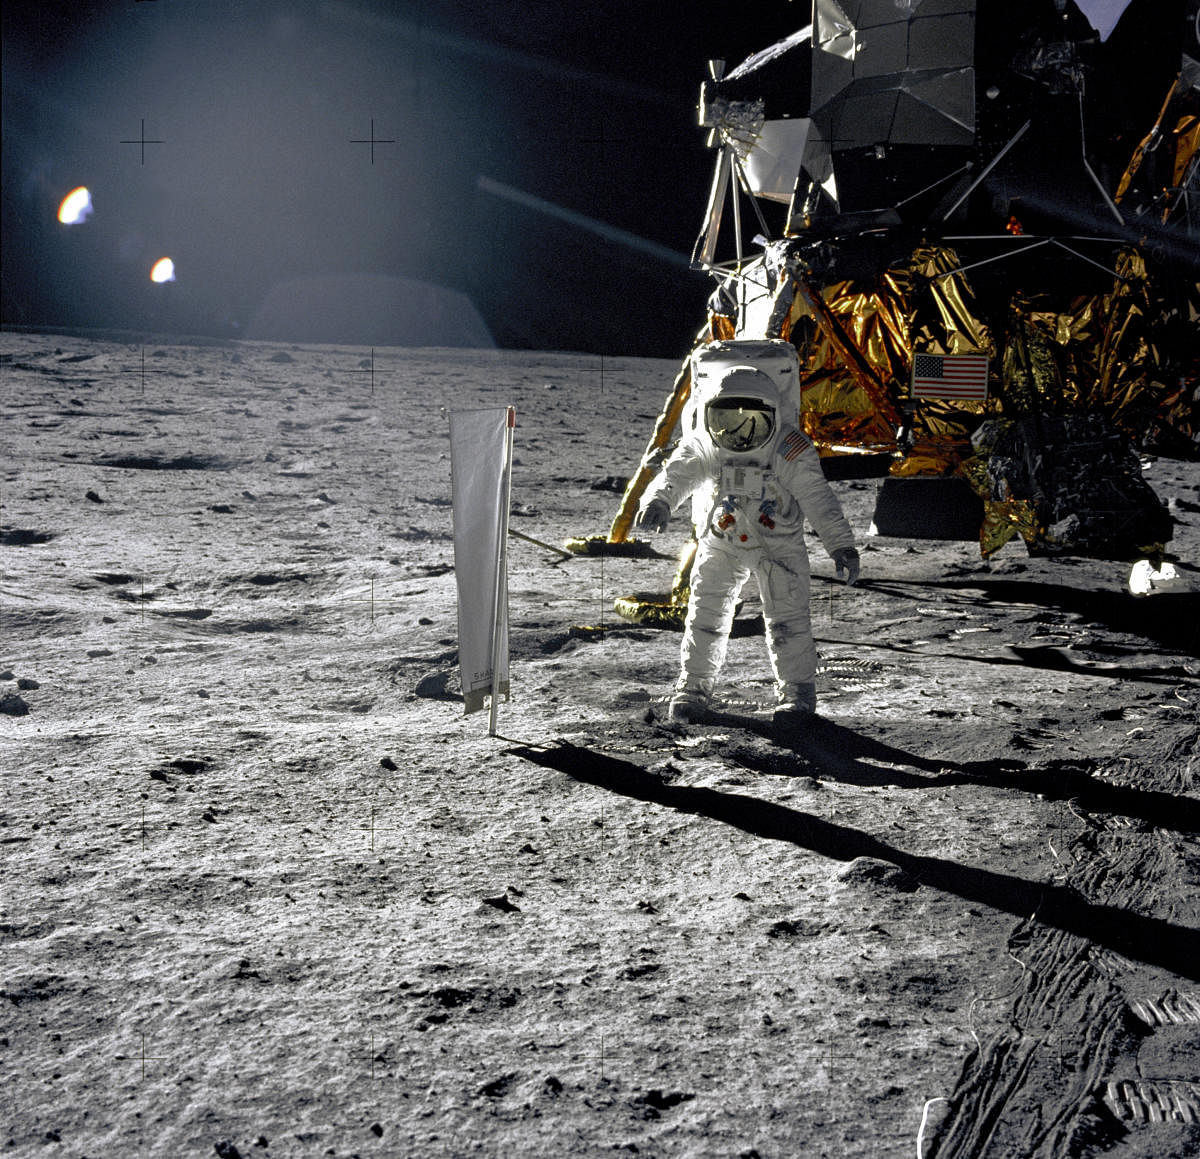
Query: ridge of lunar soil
268,892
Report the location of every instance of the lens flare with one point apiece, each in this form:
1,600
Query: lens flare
76,206
163,271
600,228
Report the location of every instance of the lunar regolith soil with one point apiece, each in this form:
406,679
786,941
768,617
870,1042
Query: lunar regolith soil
268,892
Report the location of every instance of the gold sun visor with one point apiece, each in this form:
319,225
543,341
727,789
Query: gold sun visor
739,424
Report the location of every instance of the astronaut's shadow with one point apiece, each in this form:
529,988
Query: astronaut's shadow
843,753
823,748
1138,936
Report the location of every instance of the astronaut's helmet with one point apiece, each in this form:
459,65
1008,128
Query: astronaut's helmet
741,417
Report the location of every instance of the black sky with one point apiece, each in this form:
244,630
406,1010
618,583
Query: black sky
299,153
257,179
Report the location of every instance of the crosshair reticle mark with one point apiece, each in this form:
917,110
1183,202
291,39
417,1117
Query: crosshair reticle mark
376,605
140,827
832,1054
602,1056
372,140
374,1057
369,365
142,140
372,828
143,1057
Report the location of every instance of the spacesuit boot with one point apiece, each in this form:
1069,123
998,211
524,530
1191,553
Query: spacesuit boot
690,704
796,704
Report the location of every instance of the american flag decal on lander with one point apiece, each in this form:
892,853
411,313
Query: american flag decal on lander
950,376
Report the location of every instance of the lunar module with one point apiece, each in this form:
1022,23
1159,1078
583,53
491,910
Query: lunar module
969,232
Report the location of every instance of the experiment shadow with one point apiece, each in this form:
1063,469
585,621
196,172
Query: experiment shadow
1169,619
1047,657
1136,936
831,749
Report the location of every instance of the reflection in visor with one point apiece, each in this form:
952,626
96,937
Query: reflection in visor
739,424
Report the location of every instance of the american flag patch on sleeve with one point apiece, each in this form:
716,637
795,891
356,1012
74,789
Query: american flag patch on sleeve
794,444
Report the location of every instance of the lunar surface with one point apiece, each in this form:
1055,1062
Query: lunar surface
268,892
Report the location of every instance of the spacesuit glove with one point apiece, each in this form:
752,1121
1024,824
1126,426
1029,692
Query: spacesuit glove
846,560
654,516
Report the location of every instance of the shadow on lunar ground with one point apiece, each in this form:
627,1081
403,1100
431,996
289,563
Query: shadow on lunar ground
24,536
833,750
164,462
1046,657
1170,619
837,750
1140,938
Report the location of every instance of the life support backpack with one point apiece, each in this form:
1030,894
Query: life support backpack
773,356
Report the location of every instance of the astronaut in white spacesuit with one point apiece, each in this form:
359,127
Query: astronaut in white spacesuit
753,480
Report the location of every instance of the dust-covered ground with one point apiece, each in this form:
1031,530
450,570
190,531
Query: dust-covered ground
268,892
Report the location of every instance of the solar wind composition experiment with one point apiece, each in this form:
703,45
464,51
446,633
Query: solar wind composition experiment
588,580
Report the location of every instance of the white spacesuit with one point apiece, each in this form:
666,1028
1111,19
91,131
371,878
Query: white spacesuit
753,481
